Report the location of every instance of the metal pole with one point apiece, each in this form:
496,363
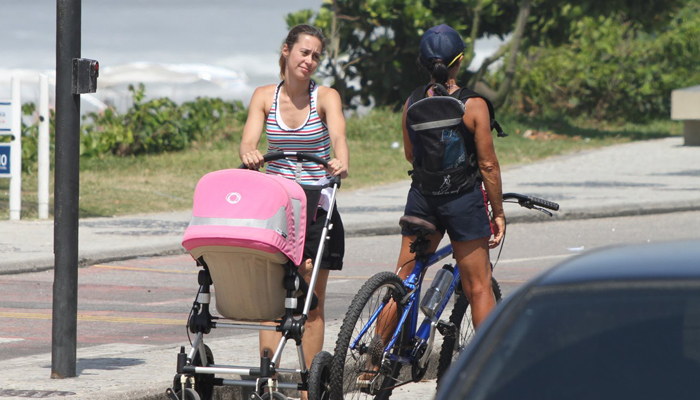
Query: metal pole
44,148
66,189
16,160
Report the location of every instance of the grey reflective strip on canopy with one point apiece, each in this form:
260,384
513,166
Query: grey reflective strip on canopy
296,207
436,124
277,222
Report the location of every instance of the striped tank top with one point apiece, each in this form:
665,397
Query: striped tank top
311,137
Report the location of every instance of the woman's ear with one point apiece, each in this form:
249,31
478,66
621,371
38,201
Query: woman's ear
457,65
285,50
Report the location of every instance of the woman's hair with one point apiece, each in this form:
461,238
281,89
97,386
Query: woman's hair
438,71
293,38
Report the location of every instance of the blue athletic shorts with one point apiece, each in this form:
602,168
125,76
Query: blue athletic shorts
463,215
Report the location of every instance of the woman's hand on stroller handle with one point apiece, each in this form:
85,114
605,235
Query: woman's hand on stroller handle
252,160
336,168
255,160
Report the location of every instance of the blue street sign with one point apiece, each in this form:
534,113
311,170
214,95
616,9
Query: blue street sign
5,160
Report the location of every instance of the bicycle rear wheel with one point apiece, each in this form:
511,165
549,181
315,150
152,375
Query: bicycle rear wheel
358,372
461,317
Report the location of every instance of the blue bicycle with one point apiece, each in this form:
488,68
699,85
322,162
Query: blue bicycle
367,361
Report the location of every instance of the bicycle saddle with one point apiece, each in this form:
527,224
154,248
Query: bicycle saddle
417,225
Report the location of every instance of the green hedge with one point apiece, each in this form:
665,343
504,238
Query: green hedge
148,127
611,70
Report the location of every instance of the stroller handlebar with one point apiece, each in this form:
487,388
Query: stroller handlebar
301,156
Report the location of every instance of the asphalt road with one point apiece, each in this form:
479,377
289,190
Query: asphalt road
146,301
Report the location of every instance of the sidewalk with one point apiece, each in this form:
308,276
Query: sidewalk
655,176
648,177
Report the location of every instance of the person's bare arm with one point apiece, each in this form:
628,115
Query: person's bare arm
478,120
252,131
331,108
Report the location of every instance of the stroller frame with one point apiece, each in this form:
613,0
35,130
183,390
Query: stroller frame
196,371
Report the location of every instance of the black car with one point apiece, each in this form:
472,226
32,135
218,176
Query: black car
617,323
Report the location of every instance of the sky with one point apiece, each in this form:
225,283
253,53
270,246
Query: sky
222,48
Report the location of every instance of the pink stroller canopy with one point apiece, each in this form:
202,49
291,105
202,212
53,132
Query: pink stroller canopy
249,209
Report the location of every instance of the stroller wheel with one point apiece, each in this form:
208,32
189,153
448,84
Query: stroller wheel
275,396
204,383
320,376
189,395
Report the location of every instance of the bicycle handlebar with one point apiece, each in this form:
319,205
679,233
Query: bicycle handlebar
530,201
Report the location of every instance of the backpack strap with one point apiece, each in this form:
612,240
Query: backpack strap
419,93
464,94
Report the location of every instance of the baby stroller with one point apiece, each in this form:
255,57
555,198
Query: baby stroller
247,234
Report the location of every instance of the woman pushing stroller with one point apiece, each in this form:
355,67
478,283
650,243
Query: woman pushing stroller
299,115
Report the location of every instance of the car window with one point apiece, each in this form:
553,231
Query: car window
611,343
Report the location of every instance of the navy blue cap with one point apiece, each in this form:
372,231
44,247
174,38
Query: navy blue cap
441,42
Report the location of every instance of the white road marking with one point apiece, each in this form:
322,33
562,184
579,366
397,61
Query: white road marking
10,340
517,260
187,301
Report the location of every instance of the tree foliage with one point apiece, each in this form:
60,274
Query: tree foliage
374,44
612,68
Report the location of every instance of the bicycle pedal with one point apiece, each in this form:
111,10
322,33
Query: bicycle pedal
446,328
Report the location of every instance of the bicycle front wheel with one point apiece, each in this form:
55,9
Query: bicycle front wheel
357,370
461,317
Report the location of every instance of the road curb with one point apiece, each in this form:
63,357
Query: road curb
44,263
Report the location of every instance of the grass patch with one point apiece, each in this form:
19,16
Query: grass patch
155,183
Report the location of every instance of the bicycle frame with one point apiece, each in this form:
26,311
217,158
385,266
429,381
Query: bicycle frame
414,283
408,321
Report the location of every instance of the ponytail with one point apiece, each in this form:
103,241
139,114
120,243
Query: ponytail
438,71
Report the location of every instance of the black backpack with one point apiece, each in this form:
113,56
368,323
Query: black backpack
449,162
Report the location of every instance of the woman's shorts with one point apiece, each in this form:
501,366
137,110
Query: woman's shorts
334,250
463,215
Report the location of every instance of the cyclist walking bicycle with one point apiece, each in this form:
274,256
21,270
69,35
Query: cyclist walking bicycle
447,139
461,209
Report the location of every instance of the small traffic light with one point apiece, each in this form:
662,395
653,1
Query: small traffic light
85,73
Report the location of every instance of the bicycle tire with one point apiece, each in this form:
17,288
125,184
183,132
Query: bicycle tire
348,365
461,317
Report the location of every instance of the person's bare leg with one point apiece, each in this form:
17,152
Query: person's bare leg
475,271
269,340
404,267
316,324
